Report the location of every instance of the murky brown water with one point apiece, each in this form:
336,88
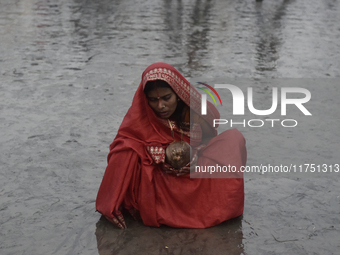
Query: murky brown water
68,72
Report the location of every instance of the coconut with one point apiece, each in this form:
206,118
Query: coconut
177,154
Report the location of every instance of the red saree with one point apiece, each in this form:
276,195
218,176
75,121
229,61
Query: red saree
132,179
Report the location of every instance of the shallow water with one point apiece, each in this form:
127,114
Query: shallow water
69,70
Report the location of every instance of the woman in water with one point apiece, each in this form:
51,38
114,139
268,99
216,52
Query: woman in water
142,176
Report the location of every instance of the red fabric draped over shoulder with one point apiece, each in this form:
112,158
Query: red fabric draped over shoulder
132,180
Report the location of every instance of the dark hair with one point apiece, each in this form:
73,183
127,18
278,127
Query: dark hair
178,115
151,85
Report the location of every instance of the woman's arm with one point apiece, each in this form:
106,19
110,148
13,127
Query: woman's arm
123,168
208,132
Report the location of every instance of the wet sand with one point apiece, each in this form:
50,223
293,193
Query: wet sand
69,70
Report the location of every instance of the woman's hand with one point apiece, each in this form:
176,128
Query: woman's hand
169,169
178,172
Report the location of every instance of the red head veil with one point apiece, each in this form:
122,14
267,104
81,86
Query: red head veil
141,123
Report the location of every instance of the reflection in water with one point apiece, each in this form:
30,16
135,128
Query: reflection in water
173,19
199,36
270,38
140,239
93,19
187,28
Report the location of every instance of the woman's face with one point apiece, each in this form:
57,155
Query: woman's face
163,101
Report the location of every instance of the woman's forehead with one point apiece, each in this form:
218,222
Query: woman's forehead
159,92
